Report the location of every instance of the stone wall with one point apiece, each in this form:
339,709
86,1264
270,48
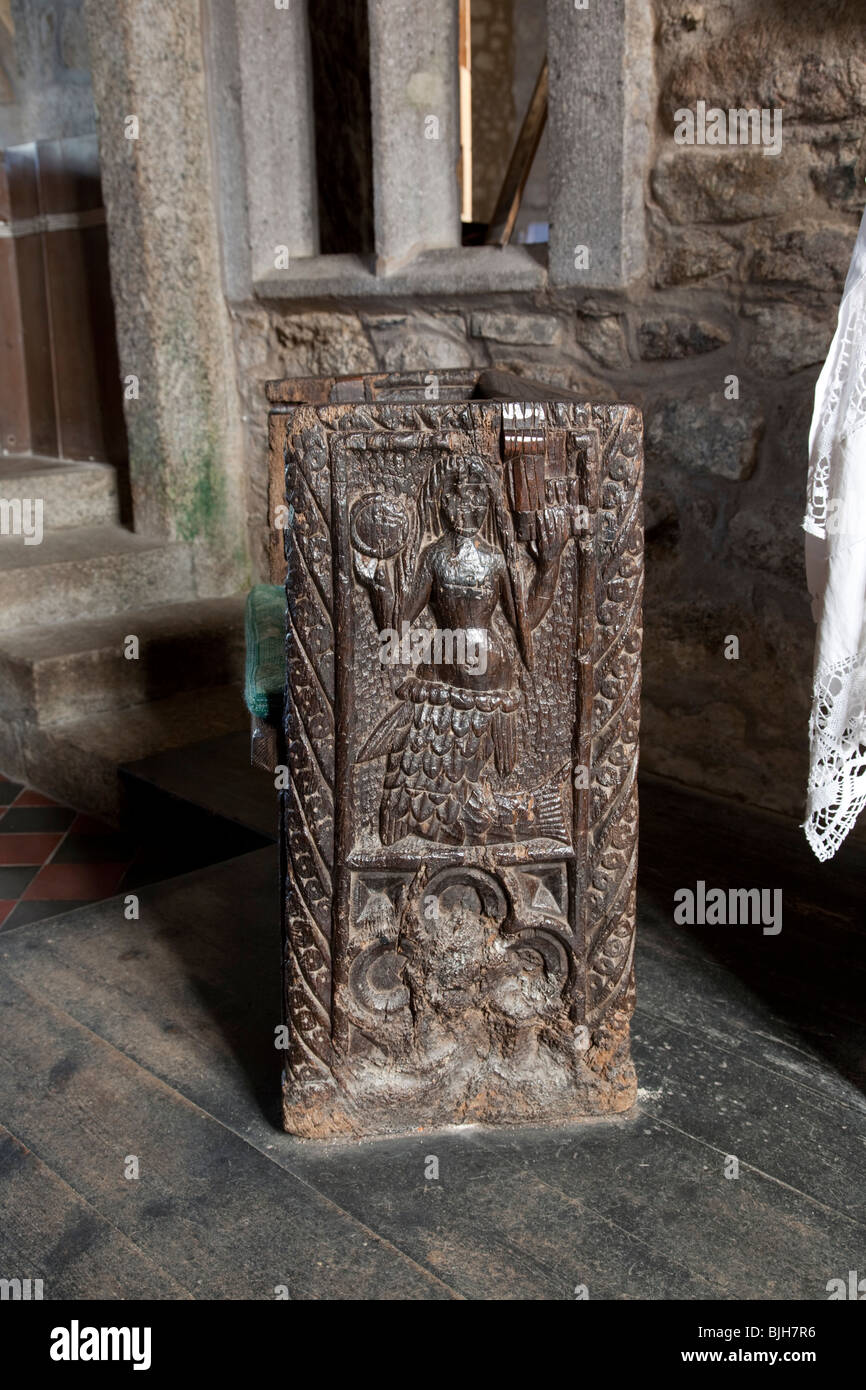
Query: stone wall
748,255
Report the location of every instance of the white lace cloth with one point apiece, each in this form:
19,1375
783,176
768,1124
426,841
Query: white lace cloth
835,524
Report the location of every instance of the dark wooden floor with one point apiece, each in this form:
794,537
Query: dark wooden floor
154,1038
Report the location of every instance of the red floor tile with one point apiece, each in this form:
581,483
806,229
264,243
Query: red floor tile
5,909
30,798
81,882
28,849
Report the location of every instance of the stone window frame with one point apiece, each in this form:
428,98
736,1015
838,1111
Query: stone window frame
599,131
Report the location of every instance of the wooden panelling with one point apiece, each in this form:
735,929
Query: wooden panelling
61,393
14,415
82,322
27,408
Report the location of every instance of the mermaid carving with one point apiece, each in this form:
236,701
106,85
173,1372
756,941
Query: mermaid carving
456,720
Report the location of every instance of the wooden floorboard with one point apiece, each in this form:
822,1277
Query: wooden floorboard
157,1036
217,1214
802,989
52,1234
750,1237
740,1107
493,1225
191,990
705,997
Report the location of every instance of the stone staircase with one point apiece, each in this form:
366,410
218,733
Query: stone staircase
73,707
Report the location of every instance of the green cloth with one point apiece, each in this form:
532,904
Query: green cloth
265,626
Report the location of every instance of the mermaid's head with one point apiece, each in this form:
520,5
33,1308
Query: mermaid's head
464,496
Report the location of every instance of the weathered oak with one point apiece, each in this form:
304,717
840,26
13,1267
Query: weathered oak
460,821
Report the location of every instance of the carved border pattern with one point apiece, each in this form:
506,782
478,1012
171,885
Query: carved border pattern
308,803
613,814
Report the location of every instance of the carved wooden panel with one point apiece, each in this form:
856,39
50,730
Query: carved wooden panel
460,826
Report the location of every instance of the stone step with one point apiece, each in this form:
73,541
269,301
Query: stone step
88,572
78,762
72,494
68,671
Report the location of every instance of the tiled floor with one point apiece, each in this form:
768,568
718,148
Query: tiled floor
53,859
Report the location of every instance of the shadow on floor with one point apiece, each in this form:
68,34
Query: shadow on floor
812,974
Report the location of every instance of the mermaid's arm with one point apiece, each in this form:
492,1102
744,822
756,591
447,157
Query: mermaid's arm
375,577
506,596
552,537
418,592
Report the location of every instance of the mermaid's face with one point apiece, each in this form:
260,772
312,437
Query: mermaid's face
463,502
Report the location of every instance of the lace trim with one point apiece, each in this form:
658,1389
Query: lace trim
842,413
837,726
837,776
849,374
817,493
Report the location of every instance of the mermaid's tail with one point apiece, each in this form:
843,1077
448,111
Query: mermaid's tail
386,733
439,741
437,758
503,816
